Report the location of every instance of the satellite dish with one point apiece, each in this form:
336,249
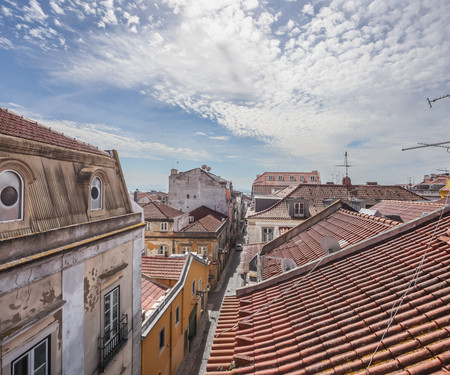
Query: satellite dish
329,244
204,166
208,169
287,264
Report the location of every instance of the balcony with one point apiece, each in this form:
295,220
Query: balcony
109,348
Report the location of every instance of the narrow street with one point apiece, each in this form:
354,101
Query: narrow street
195,361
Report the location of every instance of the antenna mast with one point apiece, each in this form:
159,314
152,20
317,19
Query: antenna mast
346,165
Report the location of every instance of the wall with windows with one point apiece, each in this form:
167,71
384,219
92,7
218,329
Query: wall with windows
67,228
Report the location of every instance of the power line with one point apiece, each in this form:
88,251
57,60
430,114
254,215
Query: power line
412,284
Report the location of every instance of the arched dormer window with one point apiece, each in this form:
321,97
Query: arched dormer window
11,196
96,194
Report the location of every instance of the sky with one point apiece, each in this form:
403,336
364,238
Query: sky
243,86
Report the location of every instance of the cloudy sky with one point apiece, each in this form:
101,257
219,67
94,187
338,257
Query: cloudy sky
244,86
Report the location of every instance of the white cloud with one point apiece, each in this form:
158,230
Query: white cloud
34,12
307,83
107,138
5,43
308,9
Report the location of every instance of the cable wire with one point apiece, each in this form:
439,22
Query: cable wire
395,308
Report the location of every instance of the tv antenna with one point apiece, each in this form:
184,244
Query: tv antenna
436,99
423,145
346,165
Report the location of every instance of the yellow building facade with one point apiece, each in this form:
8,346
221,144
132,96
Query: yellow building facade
171,324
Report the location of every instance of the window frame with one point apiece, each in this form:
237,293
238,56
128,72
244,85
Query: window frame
265,234
20,198
30,353
185,249
163,250
202,250
177,315
111,335
291,178
162,343
193,288
164,226
299,209
280,178
270,177
312,178
99,199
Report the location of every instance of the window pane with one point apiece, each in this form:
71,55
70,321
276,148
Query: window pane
40,354
41,371
20,367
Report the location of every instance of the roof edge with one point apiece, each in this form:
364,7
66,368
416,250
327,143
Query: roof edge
309,222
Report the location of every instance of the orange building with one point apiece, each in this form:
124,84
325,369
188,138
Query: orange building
174,297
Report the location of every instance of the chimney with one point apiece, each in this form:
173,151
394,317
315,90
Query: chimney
173,171
346,181
136,195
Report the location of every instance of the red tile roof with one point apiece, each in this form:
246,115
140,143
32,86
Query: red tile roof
330,315
206,224
203,211
160,211
406,210
161,267
445,200
16,126
151,293
316,194
346,227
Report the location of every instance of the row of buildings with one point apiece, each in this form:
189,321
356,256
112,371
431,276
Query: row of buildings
91,281
339,279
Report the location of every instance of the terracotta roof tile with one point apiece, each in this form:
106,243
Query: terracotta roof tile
16,126
161,267
316,194
151,293
407,210
207,223
161,211
203,211
331,314
342,225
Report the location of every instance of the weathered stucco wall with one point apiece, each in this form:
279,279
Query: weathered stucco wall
192,189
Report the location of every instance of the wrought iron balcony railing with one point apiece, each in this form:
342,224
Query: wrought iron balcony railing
110,345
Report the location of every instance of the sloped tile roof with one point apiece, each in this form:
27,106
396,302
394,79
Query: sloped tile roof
206,224
345,226
161,267
14,125
151,292
406,210
445,200
330,315
161,211
316,194
203,211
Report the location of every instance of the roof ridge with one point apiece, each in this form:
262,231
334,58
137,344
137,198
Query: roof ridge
389,222
83,146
